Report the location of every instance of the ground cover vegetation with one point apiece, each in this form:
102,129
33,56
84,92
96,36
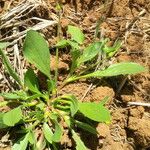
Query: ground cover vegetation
48,110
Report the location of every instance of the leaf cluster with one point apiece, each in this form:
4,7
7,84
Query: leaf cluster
45,111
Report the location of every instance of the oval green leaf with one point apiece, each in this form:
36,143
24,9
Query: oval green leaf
36,51
31,137
12,117
58,132
47,133
31,81
62,43
112,49
73,105
86,127
76,34
22,143
79,144
124,68
94,111
90,52
2,125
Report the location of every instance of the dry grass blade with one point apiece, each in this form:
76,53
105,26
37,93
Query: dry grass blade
11,16
139,104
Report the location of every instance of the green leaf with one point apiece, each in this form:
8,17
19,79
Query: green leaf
39,115
10,96
22,143
73,105
31,81
48,133
115,47
20,95
68,120
73,44
74,78
76,34
2,125
125,68
52,87
112,50
41,106
31,137
86,127
90,52
79,144
58,131
8,66
4,103
12,117
33,97
75,53
62,104
3,45
36,51
94,111
62,43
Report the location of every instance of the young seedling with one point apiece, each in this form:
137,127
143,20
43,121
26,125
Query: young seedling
40,113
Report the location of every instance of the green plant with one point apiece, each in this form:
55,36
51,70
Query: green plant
42,112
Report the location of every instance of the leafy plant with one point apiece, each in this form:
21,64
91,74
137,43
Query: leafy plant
42,111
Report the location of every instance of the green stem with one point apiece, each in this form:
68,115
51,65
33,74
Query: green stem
62,107
72,79
57,62
57,50
31,104
31,120
34,124
69,80
90,67
63,101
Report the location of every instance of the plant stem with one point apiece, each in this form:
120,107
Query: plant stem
92,66
72,79
57,51
35,124
31,120
31,104
56,70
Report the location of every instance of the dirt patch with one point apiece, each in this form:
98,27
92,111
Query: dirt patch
62,66
140,131
99,93
77,89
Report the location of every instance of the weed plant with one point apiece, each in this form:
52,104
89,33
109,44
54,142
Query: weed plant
38,114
